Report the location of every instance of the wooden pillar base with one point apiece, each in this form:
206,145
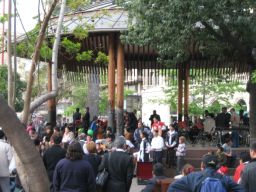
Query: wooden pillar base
111,119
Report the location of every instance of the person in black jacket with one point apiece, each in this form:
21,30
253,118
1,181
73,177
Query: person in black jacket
73,173
120,167
154,115
53,154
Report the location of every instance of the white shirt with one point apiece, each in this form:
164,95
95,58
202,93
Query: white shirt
181,150
6,155
209,125
157,143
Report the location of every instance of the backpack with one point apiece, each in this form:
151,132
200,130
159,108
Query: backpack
211,184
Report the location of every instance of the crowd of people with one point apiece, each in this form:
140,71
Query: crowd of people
74,154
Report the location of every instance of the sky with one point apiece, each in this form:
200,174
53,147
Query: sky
27,10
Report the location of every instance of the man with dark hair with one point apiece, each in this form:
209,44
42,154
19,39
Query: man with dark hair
222,120
193,181
52,155
76,119
158,174
120,167
6,156
154,115
86,119
74,173
249,173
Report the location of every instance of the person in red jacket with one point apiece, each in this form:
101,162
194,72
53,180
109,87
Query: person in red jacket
243,160
157,126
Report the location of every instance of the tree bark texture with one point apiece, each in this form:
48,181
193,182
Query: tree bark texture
9,56
93,94
30,167
51,102
35,58
252,103
111,82
120,89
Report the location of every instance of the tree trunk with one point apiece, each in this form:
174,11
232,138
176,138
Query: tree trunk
30,165
93,94
51,102
9,58
35,58
55,51
14,55
251,87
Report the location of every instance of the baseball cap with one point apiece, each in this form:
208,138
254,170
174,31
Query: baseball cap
210,160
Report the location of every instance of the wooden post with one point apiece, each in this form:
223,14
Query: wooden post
51,103
180,93
186,89
120,89
111,82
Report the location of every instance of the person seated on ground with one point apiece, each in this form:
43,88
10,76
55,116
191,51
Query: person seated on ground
187,169
158,174
209,124
231,158
197,181
244,159
222,159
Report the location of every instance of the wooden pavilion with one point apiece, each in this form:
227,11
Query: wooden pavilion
126,60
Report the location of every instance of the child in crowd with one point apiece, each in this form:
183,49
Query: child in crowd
231,158
157,146
180,154
187,168
244,159
222,160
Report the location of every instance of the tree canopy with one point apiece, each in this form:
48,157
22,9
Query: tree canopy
173,27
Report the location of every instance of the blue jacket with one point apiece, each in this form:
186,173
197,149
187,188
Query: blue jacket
192,182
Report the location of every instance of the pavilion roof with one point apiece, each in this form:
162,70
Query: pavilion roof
140,61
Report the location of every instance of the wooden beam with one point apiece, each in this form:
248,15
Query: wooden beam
120,88
180,92
111,82
186,89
